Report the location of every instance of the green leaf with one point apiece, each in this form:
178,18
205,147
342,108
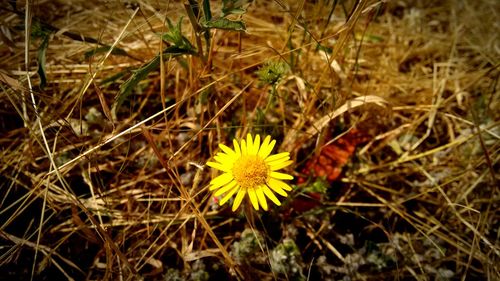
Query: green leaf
324,48
206,10
43,32
139,75
174,36
42,50
180,46
112,79
233,7
104,49
320,186
223,23
272,72
142,72
175,50
40,30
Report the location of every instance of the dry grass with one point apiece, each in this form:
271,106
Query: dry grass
98,186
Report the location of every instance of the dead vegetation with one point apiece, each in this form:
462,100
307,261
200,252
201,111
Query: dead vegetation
110,110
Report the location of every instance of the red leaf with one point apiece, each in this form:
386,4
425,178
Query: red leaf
329,162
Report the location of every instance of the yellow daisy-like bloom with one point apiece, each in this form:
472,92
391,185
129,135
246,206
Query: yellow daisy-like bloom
250,169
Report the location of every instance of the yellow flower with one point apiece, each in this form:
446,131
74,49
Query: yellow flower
250,169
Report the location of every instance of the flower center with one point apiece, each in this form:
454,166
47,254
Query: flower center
250,171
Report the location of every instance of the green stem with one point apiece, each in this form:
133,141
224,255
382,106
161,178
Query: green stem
197,29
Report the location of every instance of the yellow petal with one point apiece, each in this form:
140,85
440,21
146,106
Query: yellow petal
222,154
220,181
250,149
243,147
256,144
283,185
265,143
228,196
262,198
238,199
224,159
280,165
225,189
281,176
218,166
253,198
265,150
279,156
284,158
277,186
226,149
270,195
237,149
